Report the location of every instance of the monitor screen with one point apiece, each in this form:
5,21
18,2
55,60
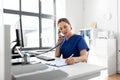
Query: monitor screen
18,41
19,38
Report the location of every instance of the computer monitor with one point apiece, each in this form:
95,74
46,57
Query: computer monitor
19,38
18,41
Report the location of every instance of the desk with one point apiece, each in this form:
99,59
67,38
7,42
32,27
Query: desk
81,71
78,71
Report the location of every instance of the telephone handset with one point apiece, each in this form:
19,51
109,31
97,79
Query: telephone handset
60,37
60,33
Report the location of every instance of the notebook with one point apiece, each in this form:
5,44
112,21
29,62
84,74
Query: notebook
57,63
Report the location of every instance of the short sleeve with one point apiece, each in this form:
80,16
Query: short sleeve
82,44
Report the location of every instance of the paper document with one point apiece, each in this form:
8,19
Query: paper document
58,62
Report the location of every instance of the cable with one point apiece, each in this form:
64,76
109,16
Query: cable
49,49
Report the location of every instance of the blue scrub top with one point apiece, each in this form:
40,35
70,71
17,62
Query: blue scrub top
74,45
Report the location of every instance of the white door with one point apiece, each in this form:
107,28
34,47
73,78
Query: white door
118,36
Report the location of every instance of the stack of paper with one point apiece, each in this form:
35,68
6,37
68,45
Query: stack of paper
58,62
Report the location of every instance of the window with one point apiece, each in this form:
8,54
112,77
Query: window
47,7
11,4
13,20
30,5
37,18
30,28
47,32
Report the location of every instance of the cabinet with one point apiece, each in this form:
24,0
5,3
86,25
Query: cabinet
103,53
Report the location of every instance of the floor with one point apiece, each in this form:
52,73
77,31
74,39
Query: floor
103,76
113,77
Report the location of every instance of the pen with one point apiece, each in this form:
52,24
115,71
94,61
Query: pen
17,48
70,60
71,55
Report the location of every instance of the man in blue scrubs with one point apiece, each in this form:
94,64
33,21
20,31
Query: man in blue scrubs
72,46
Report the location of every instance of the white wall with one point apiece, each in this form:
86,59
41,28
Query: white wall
104,12
5,58
83,12
1,44
74,12
118,36
60,9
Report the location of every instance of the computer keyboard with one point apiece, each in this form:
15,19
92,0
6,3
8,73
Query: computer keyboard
46,58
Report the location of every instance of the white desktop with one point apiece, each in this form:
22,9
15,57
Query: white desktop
39,69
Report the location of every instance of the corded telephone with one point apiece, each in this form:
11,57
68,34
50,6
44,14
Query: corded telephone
48,58
60,33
